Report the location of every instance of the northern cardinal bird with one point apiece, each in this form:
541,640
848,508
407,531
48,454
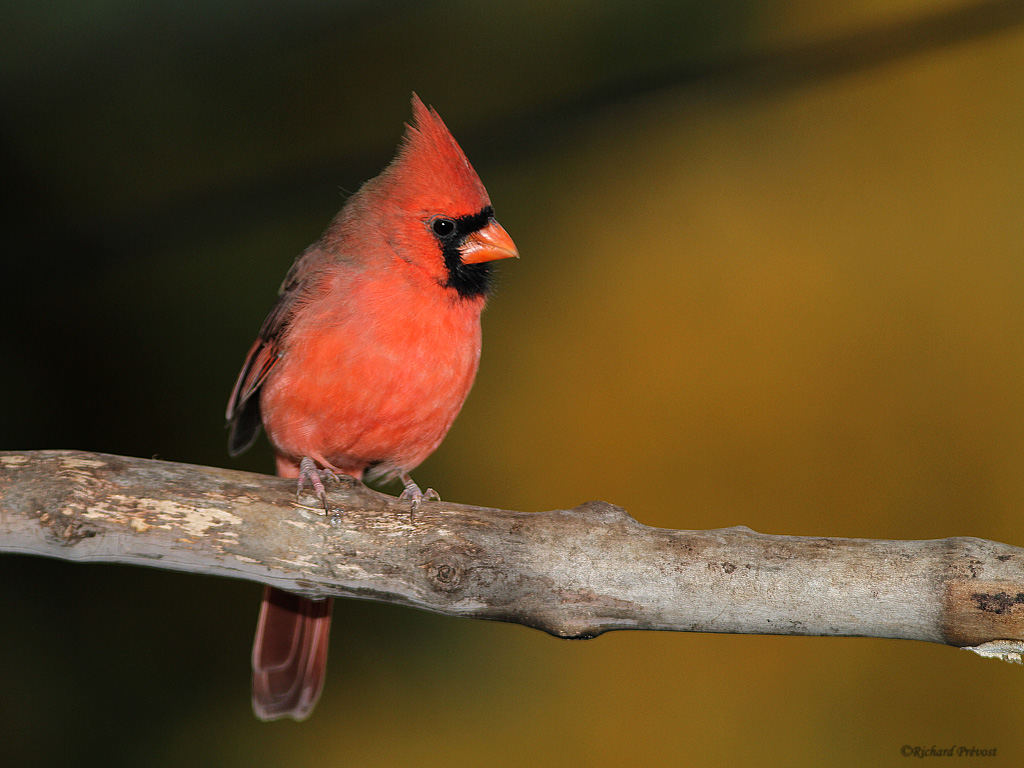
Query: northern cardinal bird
365,360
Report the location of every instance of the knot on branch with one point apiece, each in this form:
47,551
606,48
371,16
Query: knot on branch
604,513
446,574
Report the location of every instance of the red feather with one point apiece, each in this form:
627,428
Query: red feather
365,360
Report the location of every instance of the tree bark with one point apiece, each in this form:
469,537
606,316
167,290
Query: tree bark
572,573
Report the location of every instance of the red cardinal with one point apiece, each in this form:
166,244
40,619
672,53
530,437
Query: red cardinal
365,360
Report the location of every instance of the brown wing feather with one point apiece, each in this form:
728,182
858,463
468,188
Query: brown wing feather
243,411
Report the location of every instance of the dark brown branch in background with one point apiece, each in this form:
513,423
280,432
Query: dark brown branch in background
789,66
572,573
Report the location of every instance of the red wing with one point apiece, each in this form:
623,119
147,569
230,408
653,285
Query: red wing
243,411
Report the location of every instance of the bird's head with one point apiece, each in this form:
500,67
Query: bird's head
433,209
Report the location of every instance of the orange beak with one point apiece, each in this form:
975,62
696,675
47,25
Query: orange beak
488,244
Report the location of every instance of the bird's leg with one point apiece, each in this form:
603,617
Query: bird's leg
309,471
413,493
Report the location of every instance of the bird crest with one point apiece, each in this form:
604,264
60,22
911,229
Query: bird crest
431,171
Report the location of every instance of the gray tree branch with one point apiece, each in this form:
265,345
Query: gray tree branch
572,573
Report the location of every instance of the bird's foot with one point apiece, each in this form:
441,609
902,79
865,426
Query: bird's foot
315,476
413,494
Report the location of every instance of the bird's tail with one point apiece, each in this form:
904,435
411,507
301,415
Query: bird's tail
289,657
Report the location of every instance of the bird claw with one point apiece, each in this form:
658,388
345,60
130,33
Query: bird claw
415,496
315,476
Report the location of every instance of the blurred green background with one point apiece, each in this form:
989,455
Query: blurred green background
771,275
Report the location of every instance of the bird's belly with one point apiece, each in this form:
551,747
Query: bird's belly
353,405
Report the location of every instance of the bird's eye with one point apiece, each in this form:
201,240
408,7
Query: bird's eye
442,227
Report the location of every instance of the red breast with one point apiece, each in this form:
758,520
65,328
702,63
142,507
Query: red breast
375,341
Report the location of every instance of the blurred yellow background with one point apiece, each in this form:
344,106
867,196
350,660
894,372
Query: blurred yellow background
772,274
